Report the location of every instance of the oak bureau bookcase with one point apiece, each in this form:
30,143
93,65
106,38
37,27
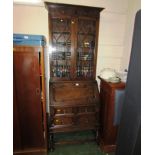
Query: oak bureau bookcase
74,96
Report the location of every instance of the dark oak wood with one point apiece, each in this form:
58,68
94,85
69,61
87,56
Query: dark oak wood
58,9
74,106
43,95
16,125
74,95
29,98
108,131
73,38
36,151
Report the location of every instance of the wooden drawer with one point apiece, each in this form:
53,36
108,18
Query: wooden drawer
62,110
64,120
85,109
87,120
72,91
73,110
78,120
81,117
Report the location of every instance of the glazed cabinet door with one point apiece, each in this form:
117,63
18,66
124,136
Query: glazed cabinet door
86,42
73,48
61,48
28,96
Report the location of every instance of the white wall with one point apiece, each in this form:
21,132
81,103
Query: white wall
111,40
30,19
133,7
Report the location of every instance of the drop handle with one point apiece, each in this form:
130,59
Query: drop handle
77,84
37,91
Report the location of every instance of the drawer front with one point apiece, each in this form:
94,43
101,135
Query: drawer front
87,109
62,121
73,110
87,120
78,120
72,91
62,110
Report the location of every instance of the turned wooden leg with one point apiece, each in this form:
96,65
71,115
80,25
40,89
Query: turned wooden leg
97,136
52,142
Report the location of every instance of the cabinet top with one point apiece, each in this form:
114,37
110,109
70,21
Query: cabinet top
51,6
112,85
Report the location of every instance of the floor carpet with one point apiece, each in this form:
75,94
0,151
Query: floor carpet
90,148
87,148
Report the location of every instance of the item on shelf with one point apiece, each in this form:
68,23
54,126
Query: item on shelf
61,55
122,75
86,44
114,79
85,56
68,55
61,71
84,71
92,44
108,73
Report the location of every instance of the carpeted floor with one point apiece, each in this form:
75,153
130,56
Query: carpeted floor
88,148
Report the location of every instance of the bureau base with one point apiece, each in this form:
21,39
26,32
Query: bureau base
76,137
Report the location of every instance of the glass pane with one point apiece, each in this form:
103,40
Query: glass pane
85,51
61,48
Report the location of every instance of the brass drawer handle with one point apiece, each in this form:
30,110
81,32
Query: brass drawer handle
77,84
58,110
56,120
